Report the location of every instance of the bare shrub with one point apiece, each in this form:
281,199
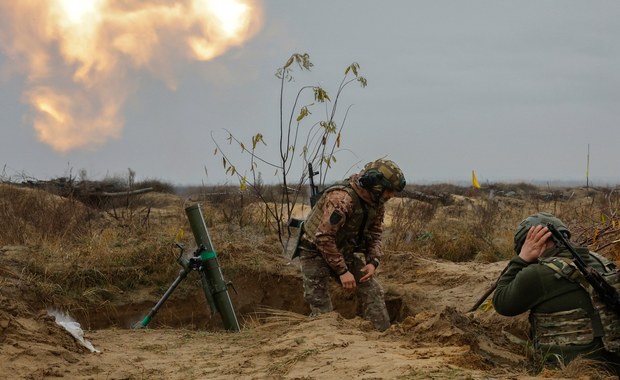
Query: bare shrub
234,211
408,222
471,229
594,220
317,149
487,216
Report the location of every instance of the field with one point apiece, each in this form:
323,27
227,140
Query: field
106,264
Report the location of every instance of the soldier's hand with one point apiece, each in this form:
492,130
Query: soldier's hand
347,280
535,243
369,269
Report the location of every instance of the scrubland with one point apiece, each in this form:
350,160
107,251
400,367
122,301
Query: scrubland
106,262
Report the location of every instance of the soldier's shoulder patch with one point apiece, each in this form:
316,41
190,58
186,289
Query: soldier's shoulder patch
335,218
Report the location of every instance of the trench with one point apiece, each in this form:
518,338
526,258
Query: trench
253,292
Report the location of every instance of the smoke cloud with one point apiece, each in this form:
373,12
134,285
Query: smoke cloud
78,56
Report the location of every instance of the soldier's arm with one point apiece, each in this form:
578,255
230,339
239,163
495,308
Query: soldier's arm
337,208
518,289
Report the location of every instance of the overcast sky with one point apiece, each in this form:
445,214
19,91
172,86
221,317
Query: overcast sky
515,90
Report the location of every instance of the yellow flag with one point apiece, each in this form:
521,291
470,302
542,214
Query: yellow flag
474,180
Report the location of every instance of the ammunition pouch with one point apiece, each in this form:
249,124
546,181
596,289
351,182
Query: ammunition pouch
604,322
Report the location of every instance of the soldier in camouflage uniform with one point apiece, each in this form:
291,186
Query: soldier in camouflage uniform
567,318
342,239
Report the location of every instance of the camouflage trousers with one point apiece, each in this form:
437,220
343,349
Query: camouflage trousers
317,275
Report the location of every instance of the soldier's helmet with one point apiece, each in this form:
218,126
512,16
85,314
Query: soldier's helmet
383,173
538,219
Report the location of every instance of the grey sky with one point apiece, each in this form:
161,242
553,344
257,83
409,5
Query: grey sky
515,90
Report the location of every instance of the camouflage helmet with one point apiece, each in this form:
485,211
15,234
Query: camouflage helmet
538,219
384,173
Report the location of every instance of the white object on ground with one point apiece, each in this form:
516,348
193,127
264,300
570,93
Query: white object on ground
73,327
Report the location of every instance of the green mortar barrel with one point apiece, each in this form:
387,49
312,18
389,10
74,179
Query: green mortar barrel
213,283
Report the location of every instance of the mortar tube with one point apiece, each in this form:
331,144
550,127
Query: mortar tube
213,279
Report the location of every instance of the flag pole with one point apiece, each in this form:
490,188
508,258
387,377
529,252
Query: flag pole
588,169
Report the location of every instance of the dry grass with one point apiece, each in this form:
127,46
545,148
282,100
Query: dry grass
406,221
579,368
271,319
80,250
81,254
35,216
82,257
481,225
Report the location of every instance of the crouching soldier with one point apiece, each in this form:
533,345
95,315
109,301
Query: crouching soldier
342,239
567,316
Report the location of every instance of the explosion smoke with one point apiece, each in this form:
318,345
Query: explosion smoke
78,55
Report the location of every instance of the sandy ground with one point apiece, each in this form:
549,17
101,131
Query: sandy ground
436,337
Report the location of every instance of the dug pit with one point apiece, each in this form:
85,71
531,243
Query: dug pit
250,292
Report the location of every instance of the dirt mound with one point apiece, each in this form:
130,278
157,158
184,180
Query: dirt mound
28,335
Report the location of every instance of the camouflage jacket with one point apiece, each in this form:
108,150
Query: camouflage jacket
334,225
